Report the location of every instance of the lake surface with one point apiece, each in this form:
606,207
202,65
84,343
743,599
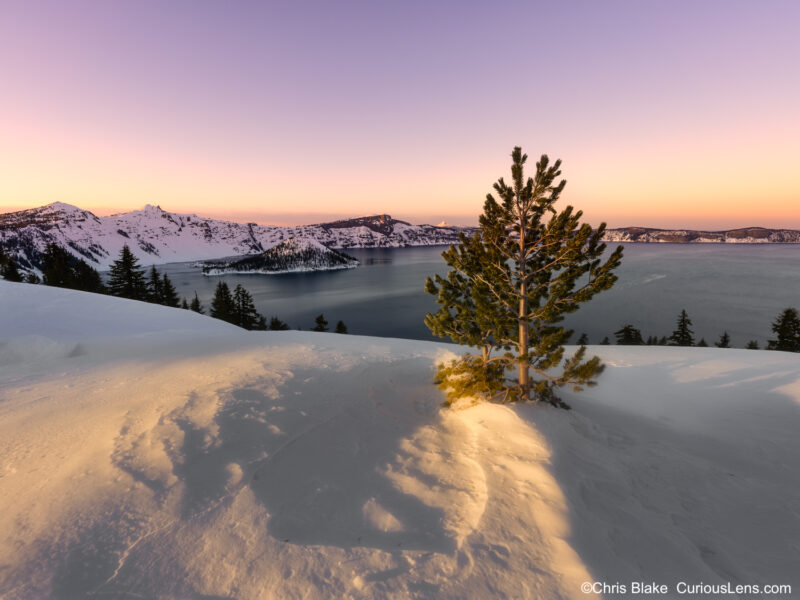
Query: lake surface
738,288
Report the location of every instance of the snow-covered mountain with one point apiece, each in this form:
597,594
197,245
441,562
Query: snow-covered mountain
745,235
292,255
156,236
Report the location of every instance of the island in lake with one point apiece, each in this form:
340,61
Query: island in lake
290,256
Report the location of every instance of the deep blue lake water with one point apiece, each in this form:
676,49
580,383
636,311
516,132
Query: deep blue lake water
738,288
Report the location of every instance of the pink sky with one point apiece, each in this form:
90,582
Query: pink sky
665,114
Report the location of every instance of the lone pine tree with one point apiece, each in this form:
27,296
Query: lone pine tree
196,306
683,335
244,310
724,341
510,285
169,297
787,329
155,290
126,278
321,324
222,306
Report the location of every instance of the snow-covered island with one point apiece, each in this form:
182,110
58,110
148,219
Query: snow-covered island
155,452
290,256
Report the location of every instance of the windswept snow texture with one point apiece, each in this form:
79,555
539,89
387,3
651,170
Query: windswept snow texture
156,236
149,452
292,256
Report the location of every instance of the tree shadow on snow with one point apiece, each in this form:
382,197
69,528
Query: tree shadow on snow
700,482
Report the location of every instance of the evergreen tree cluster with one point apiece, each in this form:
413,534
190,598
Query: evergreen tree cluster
161,291
127,279
61,269
8,268
786,328
236,308
629,336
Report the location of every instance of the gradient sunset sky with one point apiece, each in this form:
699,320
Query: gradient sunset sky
666,114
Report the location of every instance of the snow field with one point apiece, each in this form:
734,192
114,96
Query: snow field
152,452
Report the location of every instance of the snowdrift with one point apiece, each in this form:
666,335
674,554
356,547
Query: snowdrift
148,452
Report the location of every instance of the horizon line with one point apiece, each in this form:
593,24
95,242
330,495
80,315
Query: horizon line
333,217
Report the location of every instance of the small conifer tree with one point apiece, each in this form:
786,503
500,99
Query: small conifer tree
340,327
275,324
683,335
62,269
702,343
320,323
724,341
787,329
222,306
185,303
752,345
169,297
126,278
57,266
10,271
244,310
87,278
629,336
510,285
155,290
605,341
196,306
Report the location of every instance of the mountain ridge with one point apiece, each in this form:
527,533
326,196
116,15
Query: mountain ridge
156,236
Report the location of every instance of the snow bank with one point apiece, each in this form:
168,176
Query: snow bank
177,457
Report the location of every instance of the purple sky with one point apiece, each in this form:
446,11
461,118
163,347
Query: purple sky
665,114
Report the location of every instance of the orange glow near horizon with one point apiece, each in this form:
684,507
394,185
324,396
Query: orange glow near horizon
711,184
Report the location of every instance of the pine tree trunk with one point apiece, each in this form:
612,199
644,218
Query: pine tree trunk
522,349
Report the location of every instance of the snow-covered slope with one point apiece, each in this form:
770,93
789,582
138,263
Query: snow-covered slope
153,452
292,255
156,236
